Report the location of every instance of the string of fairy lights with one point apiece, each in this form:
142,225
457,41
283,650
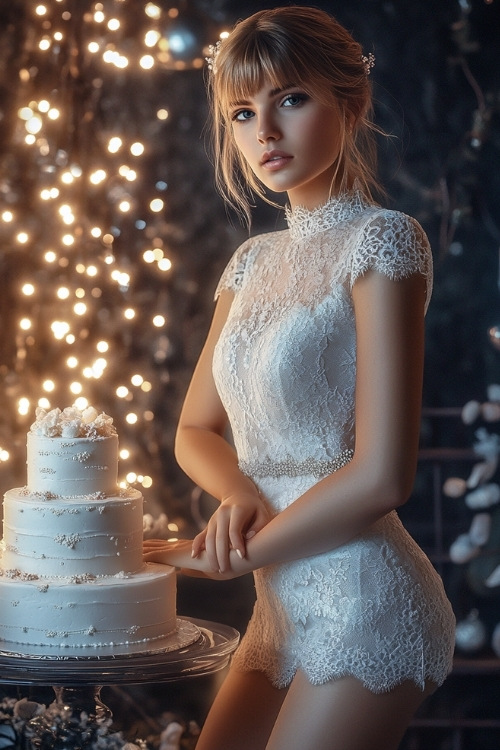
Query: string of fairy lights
89,184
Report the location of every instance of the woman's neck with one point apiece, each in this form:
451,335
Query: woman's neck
313,197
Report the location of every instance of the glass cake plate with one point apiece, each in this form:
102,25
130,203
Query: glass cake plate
197,647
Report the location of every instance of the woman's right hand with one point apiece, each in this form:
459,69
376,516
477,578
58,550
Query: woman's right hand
238,518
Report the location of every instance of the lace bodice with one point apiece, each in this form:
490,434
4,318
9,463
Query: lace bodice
285,361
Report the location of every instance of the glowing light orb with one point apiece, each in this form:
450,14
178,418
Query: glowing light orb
147,62
23,406
137,149
156,205
114,144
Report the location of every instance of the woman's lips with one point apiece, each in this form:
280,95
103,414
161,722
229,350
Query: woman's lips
274,160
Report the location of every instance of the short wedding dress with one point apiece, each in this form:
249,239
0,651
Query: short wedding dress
285,367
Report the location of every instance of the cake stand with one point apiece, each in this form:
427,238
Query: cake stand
198,648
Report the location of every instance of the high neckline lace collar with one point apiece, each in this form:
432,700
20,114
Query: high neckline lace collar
304,222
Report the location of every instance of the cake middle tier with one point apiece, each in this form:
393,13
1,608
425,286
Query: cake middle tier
56,537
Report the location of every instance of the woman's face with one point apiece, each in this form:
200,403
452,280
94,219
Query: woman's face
290,141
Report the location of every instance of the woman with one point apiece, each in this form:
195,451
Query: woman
315,359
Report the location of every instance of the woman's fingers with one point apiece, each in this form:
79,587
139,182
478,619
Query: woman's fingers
217,539
229,528
261,519
199,543
176,553
156,545
238,526
152,547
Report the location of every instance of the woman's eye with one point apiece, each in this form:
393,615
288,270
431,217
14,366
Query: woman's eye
242,114
293,100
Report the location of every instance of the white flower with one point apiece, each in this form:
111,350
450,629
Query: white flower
71,429
72,423
104,425
90,414
47,422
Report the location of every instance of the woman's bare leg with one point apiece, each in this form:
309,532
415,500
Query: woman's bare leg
344,715
243,713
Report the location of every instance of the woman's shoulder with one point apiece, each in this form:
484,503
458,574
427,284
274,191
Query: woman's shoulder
390,235
391,222
391,242
243,258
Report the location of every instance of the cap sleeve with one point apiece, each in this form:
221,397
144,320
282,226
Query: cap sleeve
395,245
234,273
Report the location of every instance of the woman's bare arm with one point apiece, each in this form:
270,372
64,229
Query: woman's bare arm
206,456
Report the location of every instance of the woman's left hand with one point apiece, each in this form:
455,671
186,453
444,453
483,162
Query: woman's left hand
179,555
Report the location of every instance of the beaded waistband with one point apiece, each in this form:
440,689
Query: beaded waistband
289,467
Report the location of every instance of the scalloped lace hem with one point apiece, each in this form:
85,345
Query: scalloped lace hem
284,678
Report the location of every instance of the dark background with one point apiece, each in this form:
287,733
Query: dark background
437,96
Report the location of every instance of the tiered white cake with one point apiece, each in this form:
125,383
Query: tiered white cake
71,567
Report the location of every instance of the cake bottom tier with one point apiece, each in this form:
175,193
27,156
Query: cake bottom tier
136,608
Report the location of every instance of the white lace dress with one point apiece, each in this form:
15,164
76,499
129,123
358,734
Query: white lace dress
285,368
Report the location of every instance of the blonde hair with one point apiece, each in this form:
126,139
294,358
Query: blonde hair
298,46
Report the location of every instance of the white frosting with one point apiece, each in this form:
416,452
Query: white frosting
72,467
67,538
71,566
102,612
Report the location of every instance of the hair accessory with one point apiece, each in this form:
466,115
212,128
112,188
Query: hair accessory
368,62
213,50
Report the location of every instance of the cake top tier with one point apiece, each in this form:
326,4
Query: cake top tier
72,454
72,422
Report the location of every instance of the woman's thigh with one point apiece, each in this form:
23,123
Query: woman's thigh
243,713
344,715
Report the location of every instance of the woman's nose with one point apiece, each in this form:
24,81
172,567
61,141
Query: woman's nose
268,129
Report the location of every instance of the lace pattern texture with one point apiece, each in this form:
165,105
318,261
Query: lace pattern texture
285,368
374,609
